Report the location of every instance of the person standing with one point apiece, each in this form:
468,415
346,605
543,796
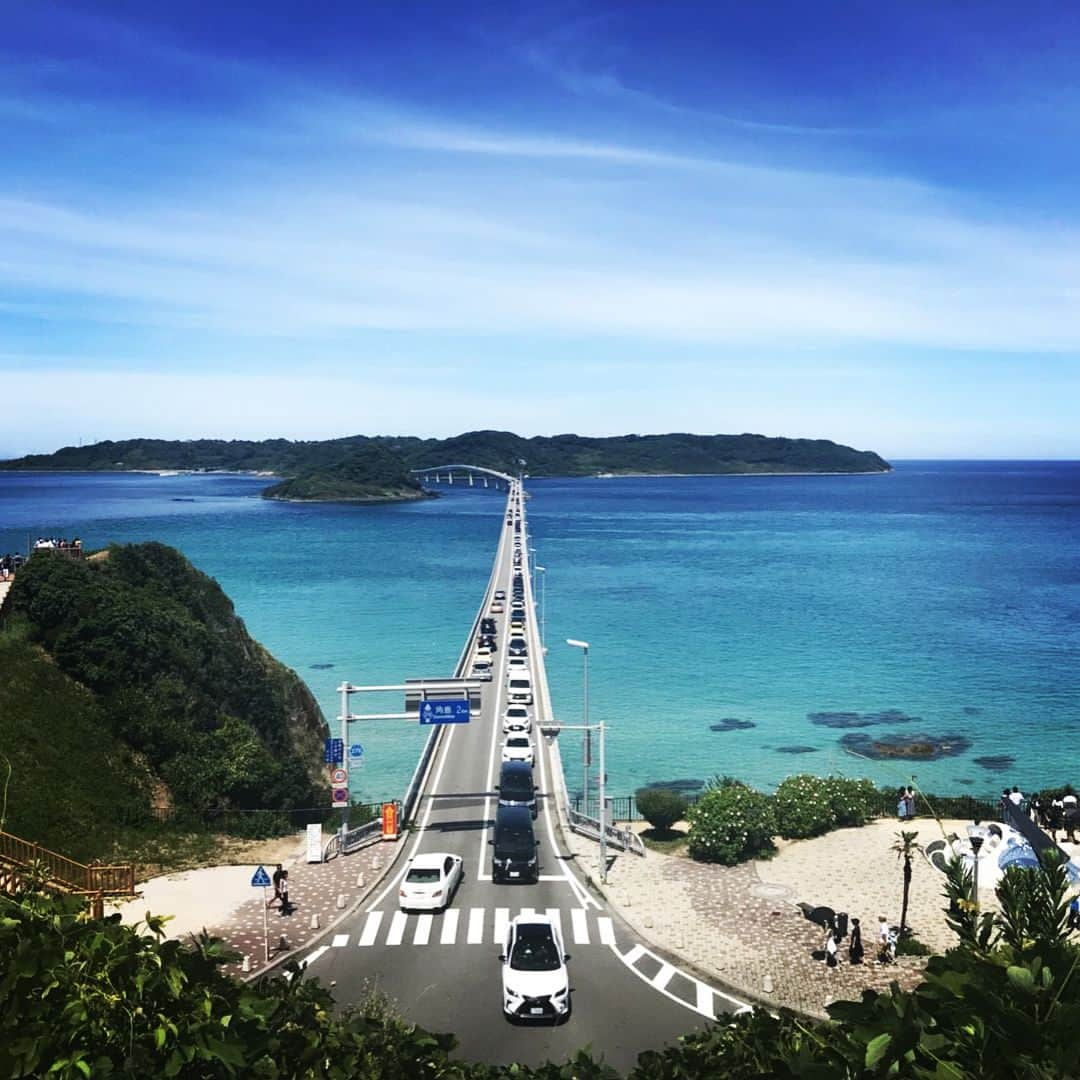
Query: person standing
286,907
1073,922
831,948
277,878
909,802
901,805
855,945
883,940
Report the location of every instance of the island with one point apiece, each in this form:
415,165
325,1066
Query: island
362,468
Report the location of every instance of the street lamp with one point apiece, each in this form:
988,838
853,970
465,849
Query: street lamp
586,738
977,835
584,646
543,606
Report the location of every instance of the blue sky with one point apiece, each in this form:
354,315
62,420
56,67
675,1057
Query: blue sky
856,221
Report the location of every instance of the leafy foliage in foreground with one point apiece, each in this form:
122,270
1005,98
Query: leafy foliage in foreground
82,997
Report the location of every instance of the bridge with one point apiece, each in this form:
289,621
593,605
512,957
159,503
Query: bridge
442,970
467,474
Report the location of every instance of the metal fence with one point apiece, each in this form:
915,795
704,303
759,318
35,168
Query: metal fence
969,807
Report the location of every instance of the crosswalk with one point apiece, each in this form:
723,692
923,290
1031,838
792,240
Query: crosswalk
473,926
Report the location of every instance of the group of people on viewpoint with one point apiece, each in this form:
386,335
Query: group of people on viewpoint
60,543
9,564
837,929
1054,812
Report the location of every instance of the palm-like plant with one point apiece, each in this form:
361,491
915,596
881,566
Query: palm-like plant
906,847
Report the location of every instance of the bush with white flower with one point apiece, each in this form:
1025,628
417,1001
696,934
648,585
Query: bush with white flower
729,824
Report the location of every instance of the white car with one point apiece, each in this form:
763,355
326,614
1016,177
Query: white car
521,663
430,881
518,748
516,720
535,979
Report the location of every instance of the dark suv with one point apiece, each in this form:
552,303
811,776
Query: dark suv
514,858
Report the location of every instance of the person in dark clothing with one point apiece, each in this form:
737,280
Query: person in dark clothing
278,876
1054,819
286,907
855,946
1073,922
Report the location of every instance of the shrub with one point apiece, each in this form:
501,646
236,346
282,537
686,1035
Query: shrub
660,807
808,806
730,824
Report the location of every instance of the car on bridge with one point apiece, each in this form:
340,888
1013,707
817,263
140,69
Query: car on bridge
517,663
535,978
519,748
514,857
516,720
430,882
517,647
481,670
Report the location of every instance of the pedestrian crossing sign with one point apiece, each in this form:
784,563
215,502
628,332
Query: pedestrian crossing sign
260,878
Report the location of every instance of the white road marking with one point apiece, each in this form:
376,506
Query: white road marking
475,933
312,957
633,955
371,929
423,929
528,911
705,1000
502,921
663,976
607,931
449,926
555,915
580,926
397,928
340,941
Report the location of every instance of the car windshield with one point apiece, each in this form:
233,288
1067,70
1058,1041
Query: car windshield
535,950
422,875
520,743
517,785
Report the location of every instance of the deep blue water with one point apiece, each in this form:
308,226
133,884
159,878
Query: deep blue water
946,591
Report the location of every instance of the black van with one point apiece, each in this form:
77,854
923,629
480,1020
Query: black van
514,858
516,786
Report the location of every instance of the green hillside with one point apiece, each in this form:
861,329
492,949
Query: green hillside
365,469
129,681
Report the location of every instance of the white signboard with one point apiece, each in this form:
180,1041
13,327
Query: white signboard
314,843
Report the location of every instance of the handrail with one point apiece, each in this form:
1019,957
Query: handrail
67,874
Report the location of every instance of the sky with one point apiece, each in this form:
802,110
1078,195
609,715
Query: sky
857,221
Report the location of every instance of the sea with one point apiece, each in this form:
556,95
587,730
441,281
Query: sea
744,626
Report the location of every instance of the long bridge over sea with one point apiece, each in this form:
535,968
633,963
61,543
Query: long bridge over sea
442,970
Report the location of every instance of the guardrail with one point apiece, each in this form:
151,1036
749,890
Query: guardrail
412,792
353,840
626,839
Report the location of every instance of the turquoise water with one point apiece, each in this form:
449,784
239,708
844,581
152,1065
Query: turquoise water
946,592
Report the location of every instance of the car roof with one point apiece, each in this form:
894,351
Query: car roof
430,860
519,816
515,766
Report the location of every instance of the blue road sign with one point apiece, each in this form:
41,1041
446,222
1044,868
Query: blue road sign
334,751
453,711
356,750
260,878
339,796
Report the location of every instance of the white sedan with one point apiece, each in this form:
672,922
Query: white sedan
430,881
518,748
516,720
535,979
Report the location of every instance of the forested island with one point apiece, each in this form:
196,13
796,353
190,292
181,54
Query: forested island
379,468
131,689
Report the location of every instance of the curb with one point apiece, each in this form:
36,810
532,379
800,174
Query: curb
347,912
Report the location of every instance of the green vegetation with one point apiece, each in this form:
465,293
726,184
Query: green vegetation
372,473
130,682
370,469
731,823
806,805
660,807
85,998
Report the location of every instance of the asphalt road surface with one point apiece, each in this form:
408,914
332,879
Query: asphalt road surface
442,970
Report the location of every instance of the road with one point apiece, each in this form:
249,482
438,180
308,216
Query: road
442,970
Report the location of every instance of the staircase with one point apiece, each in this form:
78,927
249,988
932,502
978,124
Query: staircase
62,874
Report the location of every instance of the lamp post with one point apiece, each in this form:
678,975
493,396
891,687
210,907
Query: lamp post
586,741
543,606
976,836
584,646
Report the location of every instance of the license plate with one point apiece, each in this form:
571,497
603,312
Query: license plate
536,1012
515,873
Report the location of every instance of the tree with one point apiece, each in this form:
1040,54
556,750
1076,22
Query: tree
660,807
906,847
